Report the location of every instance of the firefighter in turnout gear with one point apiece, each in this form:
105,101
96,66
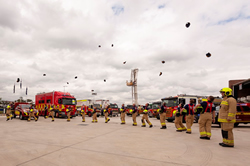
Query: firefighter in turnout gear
122,110
83,108
178,118
8,112
189,108
94,120
145,117
134,114
52,112
226,117
106,114
162,112
31,113
68,110
45,111
205,120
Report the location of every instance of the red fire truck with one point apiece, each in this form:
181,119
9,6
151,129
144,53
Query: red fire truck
173,101
60,100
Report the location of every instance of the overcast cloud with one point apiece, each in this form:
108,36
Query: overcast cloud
61,38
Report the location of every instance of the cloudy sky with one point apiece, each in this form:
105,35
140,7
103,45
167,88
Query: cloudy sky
60,38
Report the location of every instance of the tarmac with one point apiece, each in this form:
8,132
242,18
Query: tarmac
62,143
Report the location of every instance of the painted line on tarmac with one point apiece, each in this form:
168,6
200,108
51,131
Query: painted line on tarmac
66,147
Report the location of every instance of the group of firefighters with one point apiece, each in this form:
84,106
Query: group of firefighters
206,110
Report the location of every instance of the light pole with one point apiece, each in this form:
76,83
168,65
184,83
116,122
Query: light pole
64,89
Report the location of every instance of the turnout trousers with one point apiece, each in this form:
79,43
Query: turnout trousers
106,116
227,133
94,118
145,117
163,119
123,117
134,118
205,122
8,113
178,123
52,113
68,115
189,122
83,116
32,114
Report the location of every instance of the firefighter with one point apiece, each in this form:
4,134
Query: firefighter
145,117
83,112
178,118
227,117
189,108
94,120
52,112
122,110
134,114
31,113
162,112
9,112
68,110
45,111
106,114
206,117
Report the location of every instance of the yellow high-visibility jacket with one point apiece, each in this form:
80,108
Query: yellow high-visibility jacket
227,110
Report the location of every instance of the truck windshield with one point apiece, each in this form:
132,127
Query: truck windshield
156,105
129,106
68,101
24,106
113,106
170,102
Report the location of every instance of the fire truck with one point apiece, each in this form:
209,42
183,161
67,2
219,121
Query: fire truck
60,100
172,103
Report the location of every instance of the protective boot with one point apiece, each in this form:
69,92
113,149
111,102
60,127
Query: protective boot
53,119
36,119
7,119
83,120
150,126
11,117
163,127
143,125
68,120
29,120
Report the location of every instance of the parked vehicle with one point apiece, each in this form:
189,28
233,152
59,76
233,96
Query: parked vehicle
22,110
59,99
172,103
242,114
114,110
128,108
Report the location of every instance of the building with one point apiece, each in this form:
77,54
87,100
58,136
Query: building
241,89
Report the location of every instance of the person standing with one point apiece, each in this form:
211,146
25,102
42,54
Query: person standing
68,110
122,110
9,112
226,117
134,114
45,111
162,112
106,114
52,112
83,108
31,113
94,120
189,108
206,117
145,117
178,119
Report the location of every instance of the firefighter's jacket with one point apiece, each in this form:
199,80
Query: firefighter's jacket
227,110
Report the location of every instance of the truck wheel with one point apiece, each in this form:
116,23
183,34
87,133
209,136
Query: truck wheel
20,116
170,120
98,115
89,114
236,124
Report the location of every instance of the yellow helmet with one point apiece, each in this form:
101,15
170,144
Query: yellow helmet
227,91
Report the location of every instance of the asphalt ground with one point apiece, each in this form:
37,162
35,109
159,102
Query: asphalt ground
76,143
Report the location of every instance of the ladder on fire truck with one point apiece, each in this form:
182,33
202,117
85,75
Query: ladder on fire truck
133,84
